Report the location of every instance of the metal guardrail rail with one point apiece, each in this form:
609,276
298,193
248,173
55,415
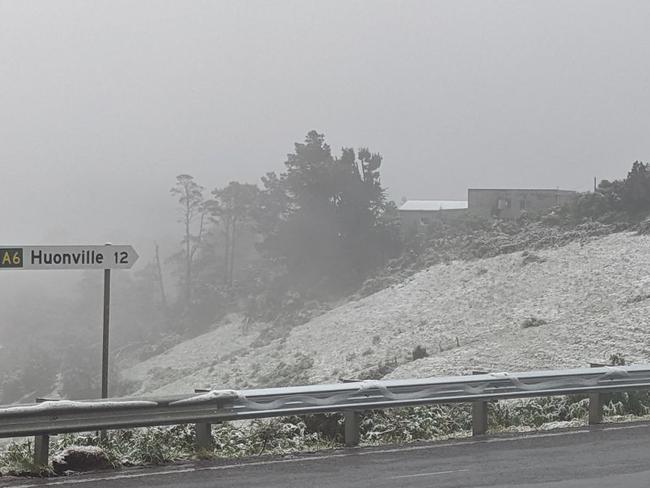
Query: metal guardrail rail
207,407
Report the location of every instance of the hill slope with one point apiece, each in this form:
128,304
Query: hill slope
593,295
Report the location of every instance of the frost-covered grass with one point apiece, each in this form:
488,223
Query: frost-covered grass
587,299
284,435
17,459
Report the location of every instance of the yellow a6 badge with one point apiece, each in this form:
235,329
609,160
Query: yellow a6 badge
11,257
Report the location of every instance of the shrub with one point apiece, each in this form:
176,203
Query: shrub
294,434
637,299
379,371
17,460
533,322
419,352
617,359
415,423
529,257
535,413
644,227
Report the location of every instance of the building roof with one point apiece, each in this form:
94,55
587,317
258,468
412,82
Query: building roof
549,190
432,205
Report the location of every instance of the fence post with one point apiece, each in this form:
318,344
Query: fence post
479,414
42,444
352,428
595,402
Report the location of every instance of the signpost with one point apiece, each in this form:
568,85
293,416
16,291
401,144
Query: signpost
67,257
104,257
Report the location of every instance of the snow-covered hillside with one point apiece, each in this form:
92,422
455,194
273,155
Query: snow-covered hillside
594,296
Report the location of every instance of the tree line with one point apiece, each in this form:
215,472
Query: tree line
622,201
313,232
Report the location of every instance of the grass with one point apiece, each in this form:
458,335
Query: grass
279,436
17,460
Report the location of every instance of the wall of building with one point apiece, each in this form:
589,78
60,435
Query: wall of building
509,204
414,219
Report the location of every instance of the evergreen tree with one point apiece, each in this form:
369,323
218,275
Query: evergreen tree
636,189
323,217
232,208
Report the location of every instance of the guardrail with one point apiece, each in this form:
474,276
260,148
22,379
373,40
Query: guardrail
204,407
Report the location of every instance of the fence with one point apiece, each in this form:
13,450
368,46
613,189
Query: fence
204,408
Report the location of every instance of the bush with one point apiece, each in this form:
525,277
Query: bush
306,433
529,257
378,372
419,352
535,413
533,322
644,227
415,423
17,460
617,359
81,458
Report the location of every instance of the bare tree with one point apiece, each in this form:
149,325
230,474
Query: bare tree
192,209
159,278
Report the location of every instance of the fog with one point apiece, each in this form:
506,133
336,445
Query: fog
103,103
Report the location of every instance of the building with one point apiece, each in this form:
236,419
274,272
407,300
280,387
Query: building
511,203
483,202
413,213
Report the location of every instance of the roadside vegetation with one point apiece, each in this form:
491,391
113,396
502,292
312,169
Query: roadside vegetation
301,243
287,435
260,252
309,433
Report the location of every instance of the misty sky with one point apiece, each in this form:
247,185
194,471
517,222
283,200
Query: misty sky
103,103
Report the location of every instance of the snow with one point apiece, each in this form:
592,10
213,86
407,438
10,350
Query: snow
202,352
467,314
91,451
211,396
55,406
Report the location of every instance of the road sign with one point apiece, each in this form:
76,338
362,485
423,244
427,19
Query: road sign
67,257
104,257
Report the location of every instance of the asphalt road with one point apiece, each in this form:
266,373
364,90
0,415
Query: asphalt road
608,456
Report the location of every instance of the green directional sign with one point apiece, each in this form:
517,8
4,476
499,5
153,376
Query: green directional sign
106,258
11,257
67,257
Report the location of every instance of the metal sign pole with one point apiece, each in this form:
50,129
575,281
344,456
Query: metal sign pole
107,311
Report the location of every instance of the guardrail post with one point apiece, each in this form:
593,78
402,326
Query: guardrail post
203,432
595,402
41,450
479,418
595,408
42,445
479,414
352,428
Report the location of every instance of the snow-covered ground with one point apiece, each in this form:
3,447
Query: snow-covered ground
594,296
201,353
